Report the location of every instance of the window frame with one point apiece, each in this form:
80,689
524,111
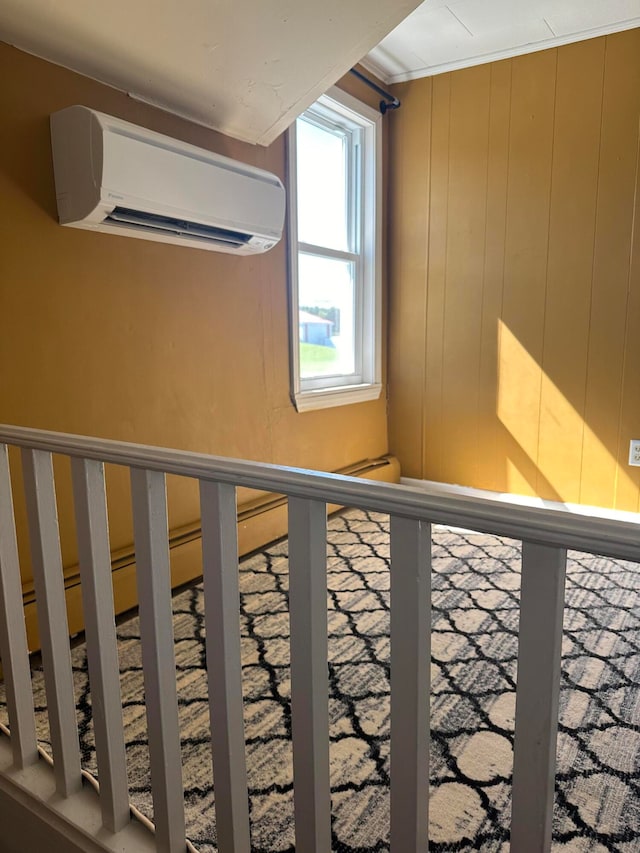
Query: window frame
339,108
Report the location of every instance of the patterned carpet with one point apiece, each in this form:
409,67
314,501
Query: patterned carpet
475,621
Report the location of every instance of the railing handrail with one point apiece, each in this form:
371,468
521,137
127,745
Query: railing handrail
598,535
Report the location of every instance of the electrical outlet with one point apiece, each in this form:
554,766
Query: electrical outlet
634,451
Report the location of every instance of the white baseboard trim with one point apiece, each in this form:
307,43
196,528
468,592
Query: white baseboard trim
450,489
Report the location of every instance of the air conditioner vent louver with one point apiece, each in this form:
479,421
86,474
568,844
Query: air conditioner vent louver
116,177
167,224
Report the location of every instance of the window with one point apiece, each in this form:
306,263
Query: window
334,241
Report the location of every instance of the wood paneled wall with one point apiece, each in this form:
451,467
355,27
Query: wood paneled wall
515,274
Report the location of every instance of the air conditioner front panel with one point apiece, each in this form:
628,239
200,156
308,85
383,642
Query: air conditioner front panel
116,177
137,175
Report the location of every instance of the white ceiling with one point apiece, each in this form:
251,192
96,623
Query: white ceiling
244,67
249,67
442,35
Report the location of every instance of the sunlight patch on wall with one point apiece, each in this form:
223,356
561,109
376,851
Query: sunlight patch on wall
518,404
549,430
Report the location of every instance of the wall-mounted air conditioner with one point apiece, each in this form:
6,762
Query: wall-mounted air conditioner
116,177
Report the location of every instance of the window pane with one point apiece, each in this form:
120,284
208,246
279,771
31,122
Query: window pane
322,186
327,319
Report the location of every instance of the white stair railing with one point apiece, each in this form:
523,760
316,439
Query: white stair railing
13,636
309,673
546,534
44,539
224,668
537,695
100,633
410,680
151,536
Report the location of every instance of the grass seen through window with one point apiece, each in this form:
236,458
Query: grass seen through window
315,359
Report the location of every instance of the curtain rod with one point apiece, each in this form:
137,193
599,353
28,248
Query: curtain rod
390,102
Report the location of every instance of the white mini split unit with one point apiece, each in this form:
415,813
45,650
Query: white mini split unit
116,177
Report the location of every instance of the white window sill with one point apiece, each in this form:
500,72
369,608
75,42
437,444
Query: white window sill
326,398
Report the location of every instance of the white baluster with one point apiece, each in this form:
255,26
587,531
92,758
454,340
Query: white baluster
13,637
537,694
100,630
149,499
224,666
410,679
52,618
309,674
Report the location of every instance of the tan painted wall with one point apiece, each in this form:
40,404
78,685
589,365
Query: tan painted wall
141,341
515,274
